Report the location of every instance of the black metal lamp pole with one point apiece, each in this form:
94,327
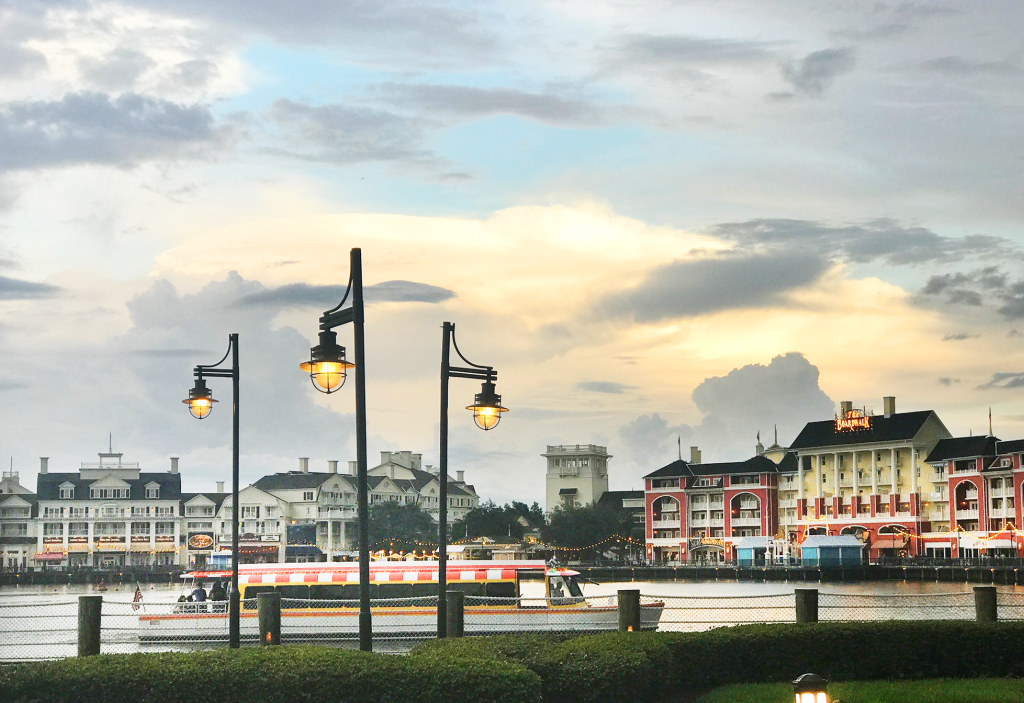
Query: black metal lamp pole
487,411
328,368
200,402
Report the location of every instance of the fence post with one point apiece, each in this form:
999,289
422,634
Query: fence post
629,610
268,612
985,603
806,604
455,614
89,614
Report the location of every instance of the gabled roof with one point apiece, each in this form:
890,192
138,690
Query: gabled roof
674,470
788,463
48,485
292,480
754,465
217,498
615,498
963,448
895,428
1011,446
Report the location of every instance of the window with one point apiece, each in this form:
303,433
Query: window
200,525
250,511
307,495
165,510
67,492
140,528
109,492
52,512
139,511
153,491
53,529
165,528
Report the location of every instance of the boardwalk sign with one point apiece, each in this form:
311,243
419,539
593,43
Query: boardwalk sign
853,421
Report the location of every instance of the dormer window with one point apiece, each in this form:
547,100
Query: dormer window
109,492
307,495
152,491
67,491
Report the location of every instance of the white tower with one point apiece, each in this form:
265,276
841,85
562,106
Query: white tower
577,474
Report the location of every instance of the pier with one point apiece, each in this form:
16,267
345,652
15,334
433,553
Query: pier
982,574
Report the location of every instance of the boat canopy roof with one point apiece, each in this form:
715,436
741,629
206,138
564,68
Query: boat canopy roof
327,572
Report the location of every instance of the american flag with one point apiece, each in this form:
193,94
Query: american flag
137,600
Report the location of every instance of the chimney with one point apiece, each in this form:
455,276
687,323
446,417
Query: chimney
417,461
220,486
304,464
461,476
385,457
174,464
889,405
694,455
845,407
352,470
332,466
44,464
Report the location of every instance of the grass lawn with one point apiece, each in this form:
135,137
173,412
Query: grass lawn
928,691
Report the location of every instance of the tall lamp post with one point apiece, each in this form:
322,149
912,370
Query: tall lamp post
200,402
487,412
327,368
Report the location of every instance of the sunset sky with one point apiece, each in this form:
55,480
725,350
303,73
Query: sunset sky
659,221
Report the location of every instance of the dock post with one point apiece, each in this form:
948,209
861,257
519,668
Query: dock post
268,612
629,610
806,604
985,603
455,614
89,615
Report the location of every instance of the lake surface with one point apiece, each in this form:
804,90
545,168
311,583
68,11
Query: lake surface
40,622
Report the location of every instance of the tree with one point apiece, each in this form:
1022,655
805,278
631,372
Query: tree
533,514
490,520
581,527
403,526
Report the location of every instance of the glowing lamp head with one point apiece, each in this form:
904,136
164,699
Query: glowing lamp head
487,407
327,367
200,401
811,688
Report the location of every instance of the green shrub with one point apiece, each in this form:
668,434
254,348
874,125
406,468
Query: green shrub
268,675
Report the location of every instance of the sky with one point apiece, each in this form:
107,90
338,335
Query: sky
663,222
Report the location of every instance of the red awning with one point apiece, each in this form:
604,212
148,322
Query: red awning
49,556
889,542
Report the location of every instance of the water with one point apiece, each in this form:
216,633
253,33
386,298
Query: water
40,622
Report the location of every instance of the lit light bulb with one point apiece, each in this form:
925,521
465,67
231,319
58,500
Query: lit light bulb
486,418
200,407
329,375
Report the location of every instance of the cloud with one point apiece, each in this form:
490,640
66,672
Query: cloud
691,287
881,239
338,134
298,294
1004,380
19,61
96,129
118,70
612,387
14,289
954,66
959,337
469,102
687,52
651,441
947,381
977,287
754,398
813,74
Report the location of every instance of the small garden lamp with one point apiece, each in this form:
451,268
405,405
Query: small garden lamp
811,688
200,400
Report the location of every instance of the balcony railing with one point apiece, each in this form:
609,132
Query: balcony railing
746,521
966,514
666,524
703,522
790,503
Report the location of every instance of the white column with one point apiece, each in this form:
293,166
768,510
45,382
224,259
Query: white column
892,473
874,473
800,476
913,470
817,475
835,473
330,535
856,485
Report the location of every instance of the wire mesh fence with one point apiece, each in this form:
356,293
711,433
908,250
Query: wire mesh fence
31,630
1010,605
903,606
698,613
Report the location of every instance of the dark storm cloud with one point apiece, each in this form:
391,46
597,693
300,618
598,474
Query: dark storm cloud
729,281
298,294
430,31
989,285
118,70
93,128
875,240
464,101
1004,380
611,387
14,289
813,74
339,134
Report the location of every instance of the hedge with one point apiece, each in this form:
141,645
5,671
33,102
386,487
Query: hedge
627,668
271,674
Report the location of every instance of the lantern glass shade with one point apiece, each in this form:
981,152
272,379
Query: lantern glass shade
200,401
327,376
487,408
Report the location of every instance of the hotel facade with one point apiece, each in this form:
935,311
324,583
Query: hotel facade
899,482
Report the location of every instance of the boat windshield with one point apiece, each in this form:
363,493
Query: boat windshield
564,587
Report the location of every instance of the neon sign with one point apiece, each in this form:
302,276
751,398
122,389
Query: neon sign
853,421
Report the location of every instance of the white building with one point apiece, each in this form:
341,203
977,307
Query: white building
577,475
17,525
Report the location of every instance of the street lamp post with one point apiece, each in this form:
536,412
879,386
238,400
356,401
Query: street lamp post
328,368
200,402
487,411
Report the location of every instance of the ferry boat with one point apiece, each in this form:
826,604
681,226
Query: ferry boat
321,601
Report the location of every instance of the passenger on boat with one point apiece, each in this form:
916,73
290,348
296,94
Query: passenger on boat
217,592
